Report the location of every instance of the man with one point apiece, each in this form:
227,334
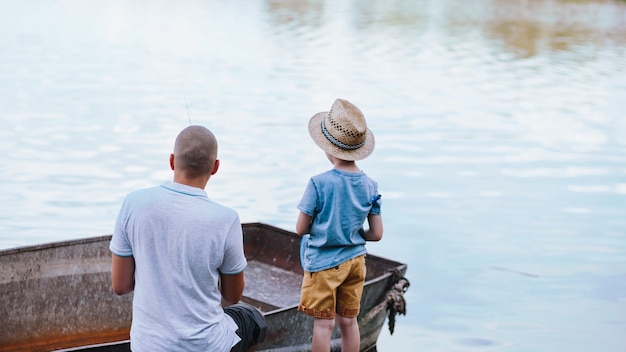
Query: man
182,255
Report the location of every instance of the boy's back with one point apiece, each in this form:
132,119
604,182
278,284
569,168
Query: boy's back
339,202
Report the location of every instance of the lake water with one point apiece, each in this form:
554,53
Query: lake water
500,129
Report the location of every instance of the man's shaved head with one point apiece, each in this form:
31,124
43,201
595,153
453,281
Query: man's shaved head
195,151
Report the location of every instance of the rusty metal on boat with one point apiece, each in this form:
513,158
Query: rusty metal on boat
58,296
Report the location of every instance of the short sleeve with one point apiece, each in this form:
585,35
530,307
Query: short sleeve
234,258
120,244
375,210
308,203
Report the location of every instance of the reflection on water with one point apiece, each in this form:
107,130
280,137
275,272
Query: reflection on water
500,129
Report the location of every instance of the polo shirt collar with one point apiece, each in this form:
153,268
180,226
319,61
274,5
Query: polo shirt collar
184,189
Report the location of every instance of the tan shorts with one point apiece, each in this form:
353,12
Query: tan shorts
335,290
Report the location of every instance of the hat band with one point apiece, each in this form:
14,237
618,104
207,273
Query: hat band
338,143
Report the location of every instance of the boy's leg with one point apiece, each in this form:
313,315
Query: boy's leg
251,326
350,334
348,304
351,289
322,332
317,299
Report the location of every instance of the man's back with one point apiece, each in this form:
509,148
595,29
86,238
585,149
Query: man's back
179,239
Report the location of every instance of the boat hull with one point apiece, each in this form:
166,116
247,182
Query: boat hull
58,296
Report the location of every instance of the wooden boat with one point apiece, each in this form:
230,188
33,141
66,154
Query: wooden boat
58,296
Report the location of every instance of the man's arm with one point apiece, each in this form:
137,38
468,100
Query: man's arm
122,274
232,287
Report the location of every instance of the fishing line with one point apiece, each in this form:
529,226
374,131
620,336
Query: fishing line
186,105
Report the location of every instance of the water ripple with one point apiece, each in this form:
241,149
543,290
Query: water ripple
500,139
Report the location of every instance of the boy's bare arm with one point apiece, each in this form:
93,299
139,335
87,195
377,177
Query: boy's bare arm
375,231
303,224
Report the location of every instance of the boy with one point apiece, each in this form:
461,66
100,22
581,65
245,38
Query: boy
333,209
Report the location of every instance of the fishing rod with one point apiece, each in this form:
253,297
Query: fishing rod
186,105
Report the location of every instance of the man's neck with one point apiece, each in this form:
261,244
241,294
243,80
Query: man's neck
198,182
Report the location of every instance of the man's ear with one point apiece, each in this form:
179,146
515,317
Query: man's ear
172,161
215,167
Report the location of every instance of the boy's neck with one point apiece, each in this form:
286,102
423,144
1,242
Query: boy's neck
345,165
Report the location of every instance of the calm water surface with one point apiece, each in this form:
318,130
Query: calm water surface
500,128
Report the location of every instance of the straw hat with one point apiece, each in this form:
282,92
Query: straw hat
342,132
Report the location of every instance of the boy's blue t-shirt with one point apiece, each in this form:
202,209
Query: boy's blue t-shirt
339,203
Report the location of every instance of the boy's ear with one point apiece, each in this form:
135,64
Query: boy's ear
172,161
216,166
